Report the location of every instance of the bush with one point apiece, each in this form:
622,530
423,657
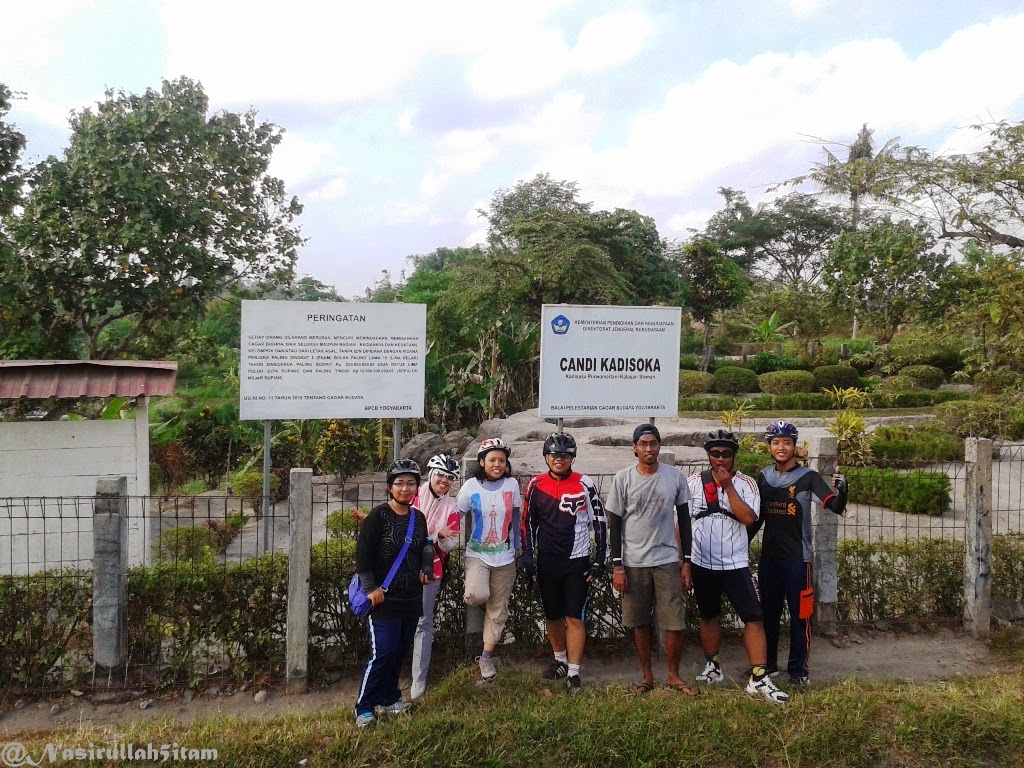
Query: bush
922,346
985,417
344,448
998,382
904,446
786,382
917,492
895,384
733,380
342,523
689,362
841,376
766,362
694,383
928,376
186,544
209,438
249,486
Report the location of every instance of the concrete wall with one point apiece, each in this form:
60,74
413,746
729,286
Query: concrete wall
48,475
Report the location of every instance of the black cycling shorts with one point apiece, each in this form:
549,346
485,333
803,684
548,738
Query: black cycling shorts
563,586
738,585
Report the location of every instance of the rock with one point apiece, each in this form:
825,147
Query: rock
75,693
188,695
260,697
213,691
883,626
243,687
840,642
1003,623
55,709
145,704
19,704
422,446
913,628
1007,608
855,638
458,441
112,697
336,676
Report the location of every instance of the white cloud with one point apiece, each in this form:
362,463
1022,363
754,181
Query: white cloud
298,160
335,189
611,41
404,121
802,8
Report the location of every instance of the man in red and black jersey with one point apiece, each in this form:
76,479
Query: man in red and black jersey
561,508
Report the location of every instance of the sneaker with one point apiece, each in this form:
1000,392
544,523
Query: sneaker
772,670
417,690
712,674
766,687
573,684
365,719
800,682
487,670
397,708
556,671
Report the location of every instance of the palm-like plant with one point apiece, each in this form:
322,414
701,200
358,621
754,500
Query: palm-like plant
769,330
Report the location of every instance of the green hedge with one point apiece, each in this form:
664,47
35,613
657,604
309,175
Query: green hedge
829,376
786,382
899,383
917,492
694,383
766,362
818,402
928,376
905,446
733,380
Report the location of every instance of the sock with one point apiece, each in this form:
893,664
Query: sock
562,656
574,670
758,672
486,654
713,659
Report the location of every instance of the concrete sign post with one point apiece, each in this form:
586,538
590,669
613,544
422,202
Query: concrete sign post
609,361
332,360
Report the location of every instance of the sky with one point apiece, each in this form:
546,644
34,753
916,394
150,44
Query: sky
403,118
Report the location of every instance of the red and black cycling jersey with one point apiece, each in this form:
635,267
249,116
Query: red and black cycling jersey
559,515
786,511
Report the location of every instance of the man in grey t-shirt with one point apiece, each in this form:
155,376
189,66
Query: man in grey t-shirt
646,504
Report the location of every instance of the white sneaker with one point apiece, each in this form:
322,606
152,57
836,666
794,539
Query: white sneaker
417,690
712,674
766,687
487,670
395,708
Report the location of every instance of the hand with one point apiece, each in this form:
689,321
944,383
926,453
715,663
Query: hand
424,579
376,597
446,533
685,575
619,581
722,476
596,571
529,573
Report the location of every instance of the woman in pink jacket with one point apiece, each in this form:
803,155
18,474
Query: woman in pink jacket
443,525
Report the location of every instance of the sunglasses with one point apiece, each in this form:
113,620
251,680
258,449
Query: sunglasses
721,454
562,456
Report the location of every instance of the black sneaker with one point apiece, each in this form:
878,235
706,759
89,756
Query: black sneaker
573,684
556,671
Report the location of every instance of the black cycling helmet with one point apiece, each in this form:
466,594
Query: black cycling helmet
720,438
560,442
404,467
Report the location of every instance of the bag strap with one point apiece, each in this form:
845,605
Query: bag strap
401,555
711,496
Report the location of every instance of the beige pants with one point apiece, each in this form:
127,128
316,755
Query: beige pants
490,587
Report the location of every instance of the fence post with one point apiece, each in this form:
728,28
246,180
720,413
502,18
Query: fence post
109,579
300,543
978,543
824,452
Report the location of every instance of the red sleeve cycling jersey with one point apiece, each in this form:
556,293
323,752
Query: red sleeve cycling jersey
559,516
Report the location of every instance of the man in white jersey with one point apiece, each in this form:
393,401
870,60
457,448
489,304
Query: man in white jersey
723,502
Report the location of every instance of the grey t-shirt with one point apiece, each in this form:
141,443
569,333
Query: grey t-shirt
647,506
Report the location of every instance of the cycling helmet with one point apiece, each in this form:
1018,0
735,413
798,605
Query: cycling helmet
720,438
781,429
445,465
560,442
403,467
494,444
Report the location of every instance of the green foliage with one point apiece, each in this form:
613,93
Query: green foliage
786,382
343,523
41,617
187,544
249,486
898,383
851,397
208,437
344,448
916,492
928,376
694,383
819,402
835,376
853,439
154,208
766,362
733,380
733,419
173,463
907,445
982,417
924,345
997,381
689,362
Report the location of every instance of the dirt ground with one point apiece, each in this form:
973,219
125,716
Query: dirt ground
907,652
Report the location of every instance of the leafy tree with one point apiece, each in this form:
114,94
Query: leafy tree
525,199
976,196
888,271
714,284
12,142
155,207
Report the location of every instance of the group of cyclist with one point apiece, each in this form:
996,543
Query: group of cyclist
666,534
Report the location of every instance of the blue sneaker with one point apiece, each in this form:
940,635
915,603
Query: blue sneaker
365,719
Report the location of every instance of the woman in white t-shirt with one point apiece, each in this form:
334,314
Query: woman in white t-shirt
493,500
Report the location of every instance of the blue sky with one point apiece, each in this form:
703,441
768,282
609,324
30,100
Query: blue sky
403,118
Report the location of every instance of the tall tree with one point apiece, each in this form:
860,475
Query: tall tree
889,271
154,208
714,284
525,199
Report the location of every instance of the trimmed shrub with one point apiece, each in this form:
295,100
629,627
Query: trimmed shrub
186,544
928,376
985,417
694,383
997,382
249,486
733,380
904,446
841,376
786,382
689,362
918,492
925,347
766,362
897,384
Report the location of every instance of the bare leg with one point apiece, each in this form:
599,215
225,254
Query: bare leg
754,643
642,641
711,636
556,634
575,637
674,648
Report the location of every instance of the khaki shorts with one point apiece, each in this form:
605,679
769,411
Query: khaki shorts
658,590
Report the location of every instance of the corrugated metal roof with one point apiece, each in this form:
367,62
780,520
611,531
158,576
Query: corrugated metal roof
41,379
